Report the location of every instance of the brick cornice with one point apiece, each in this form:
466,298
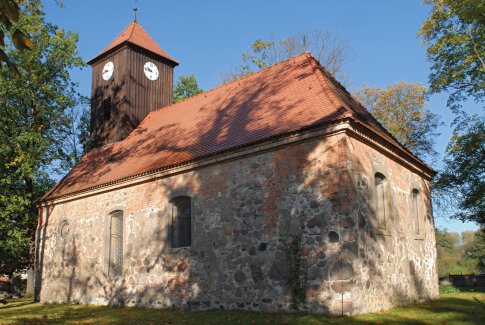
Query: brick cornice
371,138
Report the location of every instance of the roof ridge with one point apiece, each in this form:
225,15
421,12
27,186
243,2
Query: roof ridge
117,36
252,75
322,74
133,24
317,66
340,88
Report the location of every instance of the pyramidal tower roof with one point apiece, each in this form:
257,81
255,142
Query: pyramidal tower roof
136,35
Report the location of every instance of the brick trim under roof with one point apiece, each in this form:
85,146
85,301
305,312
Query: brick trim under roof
134,34
287,97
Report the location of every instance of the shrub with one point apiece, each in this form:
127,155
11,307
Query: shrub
448,288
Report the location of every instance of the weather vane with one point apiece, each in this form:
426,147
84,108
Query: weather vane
134,12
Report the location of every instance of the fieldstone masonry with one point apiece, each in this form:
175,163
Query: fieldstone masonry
243,213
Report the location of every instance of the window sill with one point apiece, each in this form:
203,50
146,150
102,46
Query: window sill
179,249
383,232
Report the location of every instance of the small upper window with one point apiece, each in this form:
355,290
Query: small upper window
107,109
415,211
381,194
181,222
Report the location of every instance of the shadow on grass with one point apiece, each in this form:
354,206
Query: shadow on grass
16,304
461,308
471,289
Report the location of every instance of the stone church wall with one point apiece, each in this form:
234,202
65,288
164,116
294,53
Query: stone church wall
395,265
244,212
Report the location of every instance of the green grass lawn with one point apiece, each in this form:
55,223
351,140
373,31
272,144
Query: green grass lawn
451,308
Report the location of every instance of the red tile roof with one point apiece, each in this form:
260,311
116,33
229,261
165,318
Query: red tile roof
135,34
283,98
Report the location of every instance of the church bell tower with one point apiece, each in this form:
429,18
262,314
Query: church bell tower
131,77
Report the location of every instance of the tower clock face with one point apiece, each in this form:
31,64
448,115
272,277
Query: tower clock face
151,71
108,70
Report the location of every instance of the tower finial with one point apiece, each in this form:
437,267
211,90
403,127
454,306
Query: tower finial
134,11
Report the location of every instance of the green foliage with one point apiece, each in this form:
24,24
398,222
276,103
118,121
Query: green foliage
460,253
34,117
455,36
464,267
463,176
186,87
477,250
468,238
332,52
445,239
9,15
76,136
448,288
449,254
297,278
401,108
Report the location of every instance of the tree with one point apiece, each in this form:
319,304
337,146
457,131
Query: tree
33,118
463,176
442,239
477,252
186,87
460,253
455,36
9,14
332,52
468,239
401,108
448,255
76,136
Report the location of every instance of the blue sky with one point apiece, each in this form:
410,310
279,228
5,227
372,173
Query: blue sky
208,37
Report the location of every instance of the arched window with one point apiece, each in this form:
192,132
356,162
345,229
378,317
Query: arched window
181,221
381,195
415,211
115,267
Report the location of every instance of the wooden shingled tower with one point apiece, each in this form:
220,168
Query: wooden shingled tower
131,77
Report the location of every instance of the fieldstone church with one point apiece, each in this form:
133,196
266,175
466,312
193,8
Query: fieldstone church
193,204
